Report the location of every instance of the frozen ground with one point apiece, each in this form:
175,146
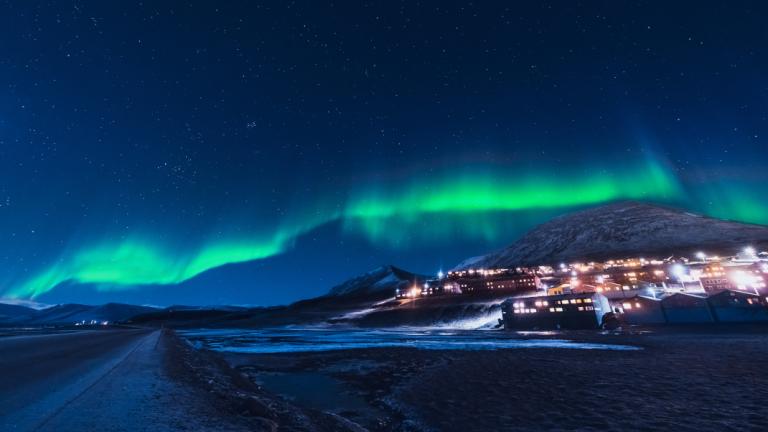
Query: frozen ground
317,339
684,379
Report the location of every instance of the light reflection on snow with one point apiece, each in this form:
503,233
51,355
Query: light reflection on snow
286,340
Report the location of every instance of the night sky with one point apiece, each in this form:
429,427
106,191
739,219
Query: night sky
258,153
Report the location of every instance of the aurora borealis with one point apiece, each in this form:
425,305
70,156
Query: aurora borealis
142,261
202,154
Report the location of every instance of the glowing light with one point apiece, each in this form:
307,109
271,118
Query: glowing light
469,204
678,270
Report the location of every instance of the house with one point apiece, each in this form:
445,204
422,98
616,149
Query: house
738,306
683,308
566,311
559,290
640,310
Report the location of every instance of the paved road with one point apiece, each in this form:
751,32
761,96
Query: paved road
104,380
40,374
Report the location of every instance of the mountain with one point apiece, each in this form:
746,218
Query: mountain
225,308
621,230
13,313
379,283
74,313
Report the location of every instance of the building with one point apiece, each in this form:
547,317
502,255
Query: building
737,306
559,290
682,308
640,310
405,290
748,277
567,311
713,278
517,281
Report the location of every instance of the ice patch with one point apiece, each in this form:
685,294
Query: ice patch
285,340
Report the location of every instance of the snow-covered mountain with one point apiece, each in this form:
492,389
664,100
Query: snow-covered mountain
66,314
380,282
621,230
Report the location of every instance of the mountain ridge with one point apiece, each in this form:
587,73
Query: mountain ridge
71,313
620,230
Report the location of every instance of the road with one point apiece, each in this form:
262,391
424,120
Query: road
101,380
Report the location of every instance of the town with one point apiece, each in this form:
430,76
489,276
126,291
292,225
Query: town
702,288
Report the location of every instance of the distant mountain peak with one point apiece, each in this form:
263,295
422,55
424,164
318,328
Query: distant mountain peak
621,229
70,313
379,282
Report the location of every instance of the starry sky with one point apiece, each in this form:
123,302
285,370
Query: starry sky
261,152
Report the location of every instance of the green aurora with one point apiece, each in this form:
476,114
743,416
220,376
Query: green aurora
465,202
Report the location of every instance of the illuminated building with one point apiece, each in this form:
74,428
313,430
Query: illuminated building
568,311
516,280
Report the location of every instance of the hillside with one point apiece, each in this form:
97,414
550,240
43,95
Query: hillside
621,230
13,313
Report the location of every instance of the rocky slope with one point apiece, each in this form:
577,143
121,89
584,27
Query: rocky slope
622,230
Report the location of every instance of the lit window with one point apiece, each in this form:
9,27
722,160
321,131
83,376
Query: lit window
551,309
559,309
587,300
581,308
637,305
627,305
